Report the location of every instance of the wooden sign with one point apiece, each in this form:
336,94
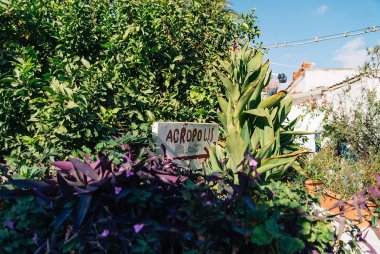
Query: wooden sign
185,141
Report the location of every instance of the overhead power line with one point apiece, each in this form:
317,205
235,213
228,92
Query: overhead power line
323,38
286,65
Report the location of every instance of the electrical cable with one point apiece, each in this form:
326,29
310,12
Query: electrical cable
323,38
286,65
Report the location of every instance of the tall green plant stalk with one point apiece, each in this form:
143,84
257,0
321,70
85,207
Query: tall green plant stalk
253,125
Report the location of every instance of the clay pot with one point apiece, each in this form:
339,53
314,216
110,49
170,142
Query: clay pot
330,199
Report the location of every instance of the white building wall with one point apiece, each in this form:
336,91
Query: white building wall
315,84
314,78
355,90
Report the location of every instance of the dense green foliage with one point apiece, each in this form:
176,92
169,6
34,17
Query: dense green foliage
73,72
154,206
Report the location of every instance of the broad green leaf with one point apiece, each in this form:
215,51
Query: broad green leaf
260,236
222,118
229,115
71,104
287,103
255,138
272,227
269,118
226,65
272,163
272,100
242,103
8,80
244,133
256,95
273,114
30,140
290,244
235,145
292,124
265,152
215,164
128,31
257,112
253,67
296,165
178,58
296,153
223,103
61,129
305,228
244,99
139,116
4,3
76,58
233,89
267,135
115,110
150,115
277,142
85,63
255,63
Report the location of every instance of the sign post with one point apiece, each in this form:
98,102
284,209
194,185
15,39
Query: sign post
186,141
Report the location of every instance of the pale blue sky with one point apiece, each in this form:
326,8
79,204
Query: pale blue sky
288,20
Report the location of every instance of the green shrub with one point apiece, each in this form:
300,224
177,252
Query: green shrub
154,206
73,72
351,157
343,176
355,125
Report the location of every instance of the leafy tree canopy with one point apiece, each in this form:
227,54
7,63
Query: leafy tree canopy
74,71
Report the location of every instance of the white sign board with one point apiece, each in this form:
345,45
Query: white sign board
185,141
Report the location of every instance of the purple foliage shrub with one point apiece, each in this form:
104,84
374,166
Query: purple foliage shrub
154,206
